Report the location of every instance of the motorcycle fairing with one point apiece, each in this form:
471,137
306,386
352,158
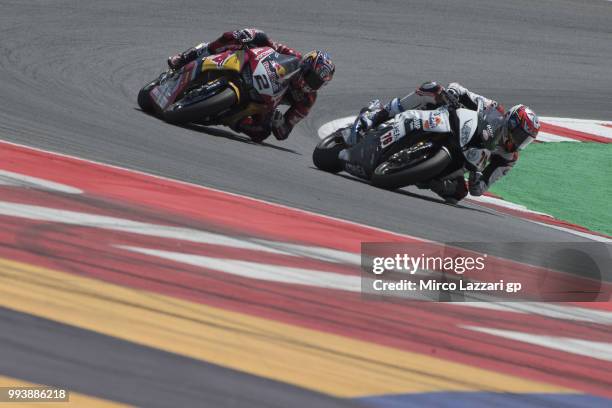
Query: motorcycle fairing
225,61
476,130
468,123
271,72
436,121
247,71
173,83
364,155
362,158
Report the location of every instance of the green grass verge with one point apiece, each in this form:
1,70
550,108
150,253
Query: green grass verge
570,181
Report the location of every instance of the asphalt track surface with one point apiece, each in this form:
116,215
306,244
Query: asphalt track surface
70,72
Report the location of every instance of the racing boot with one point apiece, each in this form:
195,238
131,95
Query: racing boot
257,130
450,190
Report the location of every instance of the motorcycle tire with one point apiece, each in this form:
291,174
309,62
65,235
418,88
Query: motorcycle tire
325,155
144,99
182,114
422,171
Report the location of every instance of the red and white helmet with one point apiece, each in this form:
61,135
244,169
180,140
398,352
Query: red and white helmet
317,70
523,127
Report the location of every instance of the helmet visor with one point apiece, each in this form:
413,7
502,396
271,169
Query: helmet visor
313,80
520,138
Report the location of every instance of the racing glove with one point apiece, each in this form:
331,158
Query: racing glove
394,107
364,124
245,35
176,61
367,116
384,113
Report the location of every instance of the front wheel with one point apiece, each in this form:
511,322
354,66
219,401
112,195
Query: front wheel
387,176
144,98
183,112
325,155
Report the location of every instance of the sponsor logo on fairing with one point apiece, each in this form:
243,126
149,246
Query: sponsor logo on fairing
272,72
433,122
279,69
396,132
412,124
261,53
466,131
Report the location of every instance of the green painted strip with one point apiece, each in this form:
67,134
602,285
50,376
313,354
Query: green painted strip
570,181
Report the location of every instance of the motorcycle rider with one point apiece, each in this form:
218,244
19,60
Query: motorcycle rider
316,70
516,129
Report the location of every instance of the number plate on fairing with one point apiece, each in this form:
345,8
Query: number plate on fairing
266,78
393,135
272,71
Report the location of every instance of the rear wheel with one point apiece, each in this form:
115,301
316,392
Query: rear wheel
325,155
184,111
395,173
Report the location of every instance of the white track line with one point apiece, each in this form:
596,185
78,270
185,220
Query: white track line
550,310
594,127
8,178
593,349
256,270
164,231
549,137
352,283
505,204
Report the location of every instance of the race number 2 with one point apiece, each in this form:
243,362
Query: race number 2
262,81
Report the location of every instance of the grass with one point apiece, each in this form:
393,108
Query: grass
570,181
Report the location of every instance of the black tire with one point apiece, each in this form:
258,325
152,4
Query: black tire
176,113
144,99
420,172
325,155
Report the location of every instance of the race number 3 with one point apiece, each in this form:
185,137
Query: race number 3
262,81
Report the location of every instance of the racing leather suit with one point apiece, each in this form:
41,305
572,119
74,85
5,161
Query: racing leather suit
430,95
257,127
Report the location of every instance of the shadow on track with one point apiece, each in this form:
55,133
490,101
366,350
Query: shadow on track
415,195
214,131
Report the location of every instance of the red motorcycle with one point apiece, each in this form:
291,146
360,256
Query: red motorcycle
221,89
